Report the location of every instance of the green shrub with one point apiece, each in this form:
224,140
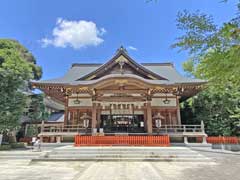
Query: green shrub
17,145
5,147
32,130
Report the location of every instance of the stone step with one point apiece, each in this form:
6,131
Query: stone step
119,150
122,147
123,152
126,159
123,156
19,154
18,157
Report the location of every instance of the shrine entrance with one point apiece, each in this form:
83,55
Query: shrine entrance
119,123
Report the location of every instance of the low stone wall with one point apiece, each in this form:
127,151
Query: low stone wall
228,147
232,147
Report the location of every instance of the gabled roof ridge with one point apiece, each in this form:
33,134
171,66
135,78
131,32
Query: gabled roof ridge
86,64
100,64
121,52
158,64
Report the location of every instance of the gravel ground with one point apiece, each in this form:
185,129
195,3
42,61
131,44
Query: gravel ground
221,168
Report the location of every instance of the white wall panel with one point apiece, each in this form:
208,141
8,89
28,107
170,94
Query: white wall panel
159,102
83,102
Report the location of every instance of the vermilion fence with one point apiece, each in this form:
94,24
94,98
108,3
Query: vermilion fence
222,140
26,140
122,140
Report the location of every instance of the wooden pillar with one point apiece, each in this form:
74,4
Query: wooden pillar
98,118
170,118
73,116
178,112
145,119
94,115
149,117
66,111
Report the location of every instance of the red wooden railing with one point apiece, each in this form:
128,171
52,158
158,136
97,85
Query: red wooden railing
222,140
122,140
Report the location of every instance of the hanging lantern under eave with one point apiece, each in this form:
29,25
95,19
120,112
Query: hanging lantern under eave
76,101
166,100
121,106
139,106
111,106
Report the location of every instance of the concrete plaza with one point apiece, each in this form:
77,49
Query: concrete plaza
222,167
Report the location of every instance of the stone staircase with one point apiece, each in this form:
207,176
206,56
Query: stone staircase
20,154
120,153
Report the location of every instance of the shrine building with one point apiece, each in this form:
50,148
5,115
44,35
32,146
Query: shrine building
120,96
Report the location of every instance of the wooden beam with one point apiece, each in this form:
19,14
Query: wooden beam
121,99
118,91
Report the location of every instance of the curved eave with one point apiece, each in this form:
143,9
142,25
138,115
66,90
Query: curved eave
118,76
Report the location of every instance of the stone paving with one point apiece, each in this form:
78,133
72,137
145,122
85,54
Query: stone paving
223,167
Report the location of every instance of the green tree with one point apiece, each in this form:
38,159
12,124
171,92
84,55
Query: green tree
17,67
215,56
37,111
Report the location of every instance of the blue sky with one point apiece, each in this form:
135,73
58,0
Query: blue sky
90,31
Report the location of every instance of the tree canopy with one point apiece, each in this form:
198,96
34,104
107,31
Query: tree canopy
214,51
17,67
214,56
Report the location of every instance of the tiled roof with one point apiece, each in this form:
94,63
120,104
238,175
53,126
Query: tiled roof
165,70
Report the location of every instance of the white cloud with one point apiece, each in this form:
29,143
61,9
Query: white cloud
76,34
132,48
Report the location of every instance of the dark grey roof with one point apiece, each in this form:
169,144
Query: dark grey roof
50,103
165,70
168,71
78,73
56,117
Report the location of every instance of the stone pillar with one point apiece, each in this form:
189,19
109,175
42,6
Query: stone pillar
42,127
204,139
178,112
149,117
41,139
26,130
94,115
58,139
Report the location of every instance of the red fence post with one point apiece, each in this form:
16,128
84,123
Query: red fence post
128,140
